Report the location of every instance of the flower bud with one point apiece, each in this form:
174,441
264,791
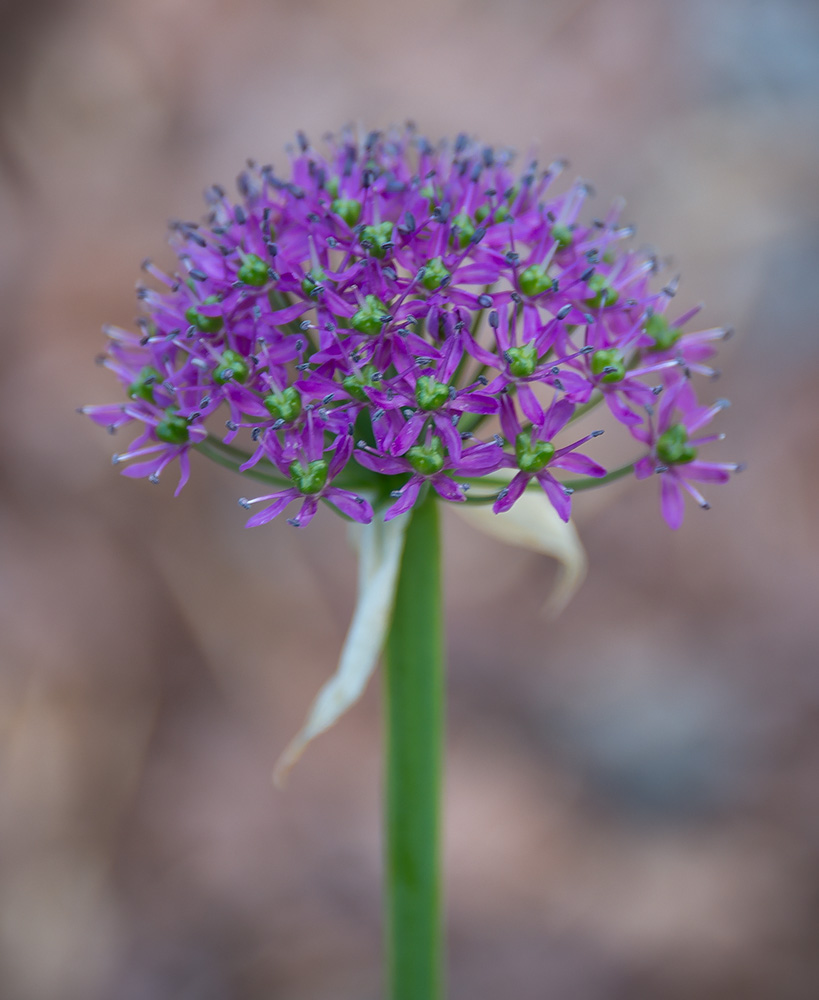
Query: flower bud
204,324
522,360
143,385
604,294
434,274
663,335
534,280
369,318
349,209
562,235
172,429
232,367
610,364
431,394
373,237
428,459
285,405
310,478
466,229
312,281
254,271
673,447
532,456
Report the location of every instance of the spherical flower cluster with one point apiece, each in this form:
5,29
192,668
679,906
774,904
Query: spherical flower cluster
390,317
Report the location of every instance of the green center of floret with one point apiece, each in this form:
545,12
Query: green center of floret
434,274
204,324
663,335
312,281
465,227
522,360
373,238
602,292
430,393
610,365
284,405
254,271
232,368
562,235
172,429
349,209
357,382
427,458
532,456
500,213
534,280
310,478
370,317
673,447
143,385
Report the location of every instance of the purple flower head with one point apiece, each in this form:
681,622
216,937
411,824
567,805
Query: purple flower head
387,316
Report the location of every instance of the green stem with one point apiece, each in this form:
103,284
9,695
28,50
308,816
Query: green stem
414,714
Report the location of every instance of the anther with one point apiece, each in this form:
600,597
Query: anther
485,301
153,478
231,425
564,311
198,275
596,434
255,433
494,319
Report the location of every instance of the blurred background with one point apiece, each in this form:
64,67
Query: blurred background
632,791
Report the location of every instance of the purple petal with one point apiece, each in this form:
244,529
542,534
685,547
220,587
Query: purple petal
573,462
560,500
408,434
447,489
380,463
512,493
408,497
671,501
351,504
273,510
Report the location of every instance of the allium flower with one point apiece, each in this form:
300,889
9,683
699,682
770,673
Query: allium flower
675,446
389,316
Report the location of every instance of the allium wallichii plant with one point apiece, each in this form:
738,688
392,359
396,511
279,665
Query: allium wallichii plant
387,324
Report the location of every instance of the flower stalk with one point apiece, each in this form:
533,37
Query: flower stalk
414,724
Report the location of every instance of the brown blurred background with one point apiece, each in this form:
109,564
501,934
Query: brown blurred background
633,791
